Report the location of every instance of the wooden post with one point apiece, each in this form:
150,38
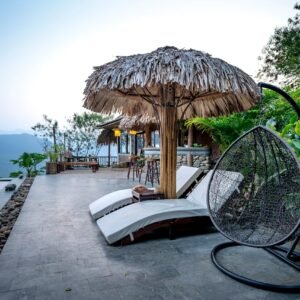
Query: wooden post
126,138
168,141
147,136
190,144
109,142
135,144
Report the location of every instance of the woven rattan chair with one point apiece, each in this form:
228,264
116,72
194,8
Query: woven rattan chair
264,210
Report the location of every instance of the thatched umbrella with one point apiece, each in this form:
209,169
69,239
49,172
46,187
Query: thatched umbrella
138,122
143,122
169,83
106,137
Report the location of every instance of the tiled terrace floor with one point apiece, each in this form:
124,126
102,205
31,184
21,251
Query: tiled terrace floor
56,252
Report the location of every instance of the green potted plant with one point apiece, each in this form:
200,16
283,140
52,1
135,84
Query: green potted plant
51,165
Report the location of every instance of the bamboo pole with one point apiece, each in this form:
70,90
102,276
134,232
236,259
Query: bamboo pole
168,141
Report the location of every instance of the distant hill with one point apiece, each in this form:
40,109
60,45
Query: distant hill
12,146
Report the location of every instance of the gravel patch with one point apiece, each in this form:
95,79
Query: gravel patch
10,212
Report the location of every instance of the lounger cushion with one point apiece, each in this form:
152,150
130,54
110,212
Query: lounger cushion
199,194
185,176
129,219
110,202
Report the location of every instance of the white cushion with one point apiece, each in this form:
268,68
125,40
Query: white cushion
185,176
131,218
110,202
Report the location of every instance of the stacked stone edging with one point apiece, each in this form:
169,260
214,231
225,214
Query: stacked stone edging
10,212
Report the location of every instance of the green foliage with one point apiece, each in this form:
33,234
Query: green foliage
281,55
15,174
291,133
276,108
83,133
54,152
29,162
224,130
275,112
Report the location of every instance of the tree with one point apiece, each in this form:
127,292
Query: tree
82,134
29,162
281,55
47,131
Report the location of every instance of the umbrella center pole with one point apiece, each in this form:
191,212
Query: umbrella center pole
168,141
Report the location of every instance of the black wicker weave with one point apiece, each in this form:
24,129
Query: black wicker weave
254,198
263,209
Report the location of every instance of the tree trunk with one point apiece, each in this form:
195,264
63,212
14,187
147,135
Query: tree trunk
168,141
190,144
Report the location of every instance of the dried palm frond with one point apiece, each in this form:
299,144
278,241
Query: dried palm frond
204,86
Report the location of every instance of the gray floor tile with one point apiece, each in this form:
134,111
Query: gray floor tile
56,252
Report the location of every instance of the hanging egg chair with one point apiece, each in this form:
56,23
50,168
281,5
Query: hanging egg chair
263,206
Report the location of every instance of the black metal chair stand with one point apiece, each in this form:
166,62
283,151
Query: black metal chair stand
288,256
254,199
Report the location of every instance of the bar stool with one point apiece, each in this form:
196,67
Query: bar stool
139,167
132,166
152,173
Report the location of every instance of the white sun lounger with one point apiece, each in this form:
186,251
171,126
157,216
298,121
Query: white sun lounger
129,220
185,176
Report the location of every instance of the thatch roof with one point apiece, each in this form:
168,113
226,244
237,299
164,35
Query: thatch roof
205,86
105,137
111,124
138,122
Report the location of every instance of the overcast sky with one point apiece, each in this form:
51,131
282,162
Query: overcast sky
48,47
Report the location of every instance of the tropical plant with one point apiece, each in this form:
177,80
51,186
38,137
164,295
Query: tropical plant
29,162
15,174
224,130
290,132
274,112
